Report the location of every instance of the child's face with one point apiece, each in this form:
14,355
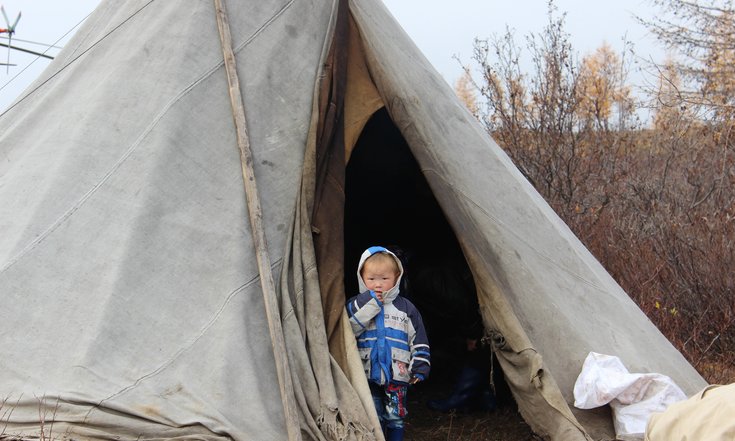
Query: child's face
379,277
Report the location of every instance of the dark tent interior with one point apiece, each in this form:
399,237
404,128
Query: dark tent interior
388,202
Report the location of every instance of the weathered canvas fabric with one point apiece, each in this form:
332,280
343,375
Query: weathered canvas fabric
131,299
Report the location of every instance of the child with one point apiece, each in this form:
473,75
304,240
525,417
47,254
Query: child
390,337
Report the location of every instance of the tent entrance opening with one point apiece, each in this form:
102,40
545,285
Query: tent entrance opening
388,202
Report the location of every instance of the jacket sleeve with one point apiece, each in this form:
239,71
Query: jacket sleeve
419,344
361,309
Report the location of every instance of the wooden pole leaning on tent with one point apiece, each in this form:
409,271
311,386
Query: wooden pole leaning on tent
256,223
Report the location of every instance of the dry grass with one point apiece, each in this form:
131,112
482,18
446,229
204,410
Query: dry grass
718,373
46,417
501,424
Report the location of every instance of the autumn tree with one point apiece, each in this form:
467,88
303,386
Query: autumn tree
702,34
604,97
689,198
465,91
547,110
670,110
533,117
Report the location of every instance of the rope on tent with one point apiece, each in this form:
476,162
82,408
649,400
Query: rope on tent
256,223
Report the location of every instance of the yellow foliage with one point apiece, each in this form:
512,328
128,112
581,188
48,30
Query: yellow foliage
719,83
601,86
466,93
670,111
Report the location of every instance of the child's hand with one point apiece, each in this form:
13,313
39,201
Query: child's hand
414,380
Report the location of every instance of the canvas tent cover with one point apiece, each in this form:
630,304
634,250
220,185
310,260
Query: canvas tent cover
132,306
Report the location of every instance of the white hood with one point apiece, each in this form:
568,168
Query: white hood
392,293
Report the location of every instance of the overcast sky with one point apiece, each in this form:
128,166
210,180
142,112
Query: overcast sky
440,28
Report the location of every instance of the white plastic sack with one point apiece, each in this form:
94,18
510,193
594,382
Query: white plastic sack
632,397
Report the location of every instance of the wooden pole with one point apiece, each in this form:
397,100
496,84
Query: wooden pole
256,223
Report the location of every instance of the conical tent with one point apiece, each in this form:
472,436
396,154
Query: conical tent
132,299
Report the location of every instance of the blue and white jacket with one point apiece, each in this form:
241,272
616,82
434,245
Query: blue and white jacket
390,334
